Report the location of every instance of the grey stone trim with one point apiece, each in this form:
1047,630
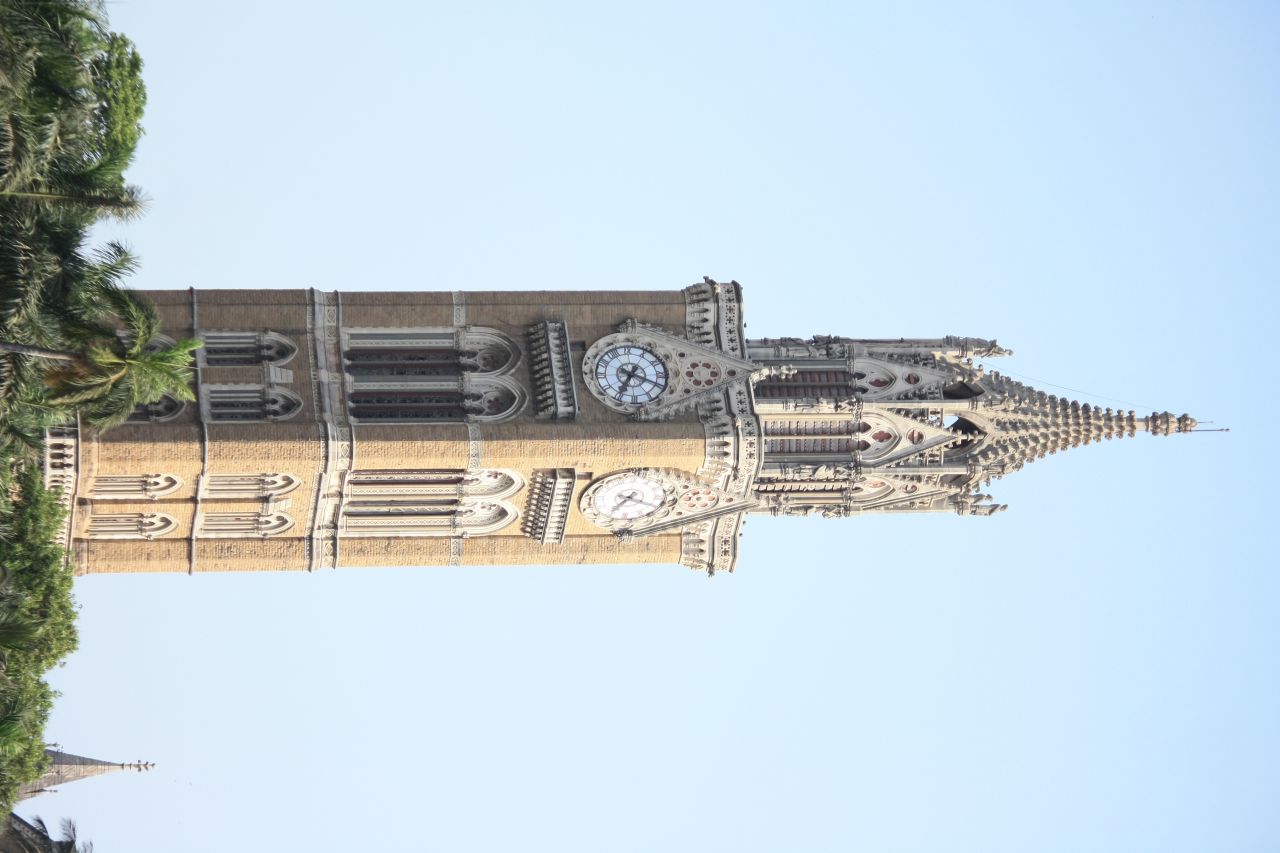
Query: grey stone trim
713,316
475,446
549,505
62,472
551,371
459,308
337,430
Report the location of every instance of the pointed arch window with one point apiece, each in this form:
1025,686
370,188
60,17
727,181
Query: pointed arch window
488,482
250,403
489,399
165,409
246,349
130,525
427,518
437,502
870,437
431,375
806,436
243,525
251,486
867,377
126,487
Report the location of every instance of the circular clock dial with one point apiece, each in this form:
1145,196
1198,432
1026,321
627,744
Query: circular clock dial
629,496
631,374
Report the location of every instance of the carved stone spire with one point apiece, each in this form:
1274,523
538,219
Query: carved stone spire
65,767
857,425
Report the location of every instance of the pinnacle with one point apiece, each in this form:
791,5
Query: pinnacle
1164,423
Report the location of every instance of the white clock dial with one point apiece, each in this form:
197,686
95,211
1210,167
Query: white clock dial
625,497
631,374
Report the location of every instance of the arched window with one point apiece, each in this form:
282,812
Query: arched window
427,518
867,378
250,403
493,398
870,437
249,485
243,525
130,525
408,405
165,409
246,349
431,375
429,503
488,351
487,482
125,487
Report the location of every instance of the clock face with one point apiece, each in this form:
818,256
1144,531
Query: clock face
631,374
625,497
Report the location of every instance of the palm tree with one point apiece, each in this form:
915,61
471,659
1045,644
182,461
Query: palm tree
101,338
117,365
35,837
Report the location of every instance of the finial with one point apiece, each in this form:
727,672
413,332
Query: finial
1164,423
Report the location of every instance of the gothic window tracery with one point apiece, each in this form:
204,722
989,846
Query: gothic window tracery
870,437
805,436
130,525
249,485
165,409
125,487
488,482
868,490
429,503
246,349
240,525
869,378
250,403
431,375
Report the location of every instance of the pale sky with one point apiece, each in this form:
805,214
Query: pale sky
1094,184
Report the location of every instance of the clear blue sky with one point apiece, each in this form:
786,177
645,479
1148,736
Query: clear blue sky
1094,184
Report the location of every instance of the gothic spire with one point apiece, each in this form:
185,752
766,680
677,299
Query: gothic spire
65,767
853,425
1020,424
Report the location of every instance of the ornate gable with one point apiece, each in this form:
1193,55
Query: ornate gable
682,372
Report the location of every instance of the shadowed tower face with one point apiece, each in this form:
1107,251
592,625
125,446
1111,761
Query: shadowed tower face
376,429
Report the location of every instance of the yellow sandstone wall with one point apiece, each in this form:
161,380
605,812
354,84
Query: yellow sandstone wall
597,442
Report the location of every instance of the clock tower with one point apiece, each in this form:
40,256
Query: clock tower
415,429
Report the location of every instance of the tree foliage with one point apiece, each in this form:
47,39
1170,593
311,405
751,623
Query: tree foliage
73,342
35,590
71,102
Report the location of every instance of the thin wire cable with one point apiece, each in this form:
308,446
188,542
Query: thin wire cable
1128,403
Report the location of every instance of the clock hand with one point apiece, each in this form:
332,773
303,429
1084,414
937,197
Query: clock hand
628,372
634,498
626,498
